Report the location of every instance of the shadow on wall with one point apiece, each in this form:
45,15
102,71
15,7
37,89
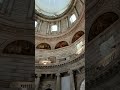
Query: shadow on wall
48,89
101,23
20,47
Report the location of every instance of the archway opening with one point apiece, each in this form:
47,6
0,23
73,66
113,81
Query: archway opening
48,89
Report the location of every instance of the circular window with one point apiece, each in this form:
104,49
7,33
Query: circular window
52,8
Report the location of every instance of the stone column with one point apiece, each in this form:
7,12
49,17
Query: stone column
72,83
37,82
58,84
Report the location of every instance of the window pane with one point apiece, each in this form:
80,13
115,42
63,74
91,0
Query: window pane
54,28
73,18
36,23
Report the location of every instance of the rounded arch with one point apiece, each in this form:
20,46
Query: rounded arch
61,44
101,23
20,47
44,46
77,36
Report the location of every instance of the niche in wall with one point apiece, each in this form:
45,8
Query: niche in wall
77,36
44,46
61,44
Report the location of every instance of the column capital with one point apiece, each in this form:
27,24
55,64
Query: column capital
39,75
58,81
57,74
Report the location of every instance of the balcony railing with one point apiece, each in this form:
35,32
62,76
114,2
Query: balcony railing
22,85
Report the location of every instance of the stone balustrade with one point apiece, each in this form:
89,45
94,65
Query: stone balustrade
22,85
62,63
63,67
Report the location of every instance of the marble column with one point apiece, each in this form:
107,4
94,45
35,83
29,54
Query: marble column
58,84
37,82
72,83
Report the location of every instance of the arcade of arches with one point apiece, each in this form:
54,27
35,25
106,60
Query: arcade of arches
62,41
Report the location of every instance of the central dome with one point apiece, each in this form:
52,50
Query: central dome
52,8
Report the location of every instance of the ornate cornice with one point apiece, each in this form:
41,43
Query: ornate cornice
62,67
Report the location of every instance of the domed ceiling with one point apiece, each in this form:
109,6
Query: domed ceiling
59,30
52,8
55,18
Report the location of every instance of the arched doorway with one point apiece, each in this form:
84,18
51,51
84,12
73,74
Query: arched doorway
48,89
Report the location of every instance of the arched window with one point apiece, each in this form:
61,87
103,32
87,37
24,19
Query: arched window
54,28
43,46
77,36
61,44
20,47
101,23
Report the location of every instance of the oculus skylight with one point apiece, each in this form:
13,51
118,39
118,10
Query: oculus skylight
52,7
